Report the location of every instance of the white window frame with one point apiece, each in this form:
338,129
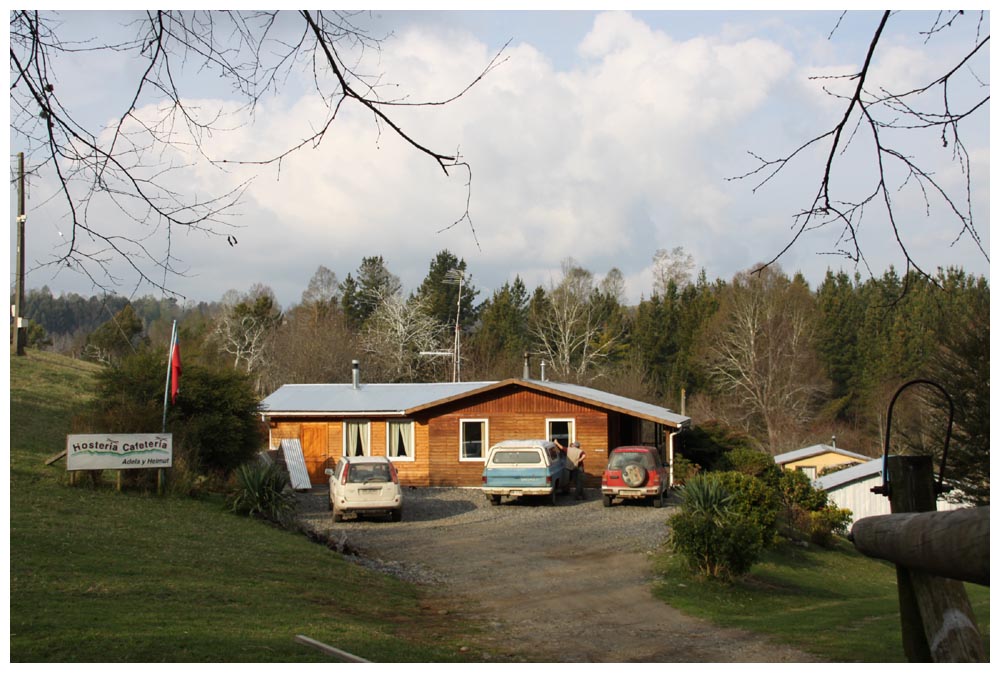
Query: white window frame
367,436
485,440
572,428
410,444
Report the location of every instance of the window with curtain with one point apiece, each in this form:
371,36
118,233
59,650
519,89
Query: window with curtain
356,438
399,444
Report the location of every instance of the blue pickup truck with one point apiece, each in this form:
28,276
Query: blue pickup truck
520,467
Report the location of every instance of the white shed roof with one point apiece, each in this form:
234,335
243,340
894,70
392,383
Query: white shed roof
849,475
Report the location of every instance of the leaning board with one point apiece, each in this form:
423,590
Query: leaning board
291,449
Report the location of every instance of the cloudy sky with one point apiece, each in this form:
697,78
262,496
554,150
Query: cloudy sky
602,136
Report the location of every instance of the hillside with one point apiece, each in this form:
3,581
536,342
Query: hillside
101,576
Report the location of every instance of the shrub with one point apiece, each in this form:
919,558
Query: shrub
684,469
703,495
263,491
707,443
751,462
720,548
800,502
827,522
753,500
215,424
795,489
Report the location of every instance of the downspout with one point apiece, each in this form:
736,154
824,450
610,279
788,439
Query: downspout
670,450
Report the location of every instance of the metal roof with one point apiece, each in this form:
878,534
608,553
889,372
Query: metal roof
849,475
401,399
367,398
816,450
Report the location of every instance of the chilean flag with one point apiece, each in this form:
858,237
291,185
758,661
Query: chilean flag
175,370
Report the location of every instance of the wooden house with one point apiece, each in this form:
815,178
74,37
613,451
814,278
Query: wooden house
437,434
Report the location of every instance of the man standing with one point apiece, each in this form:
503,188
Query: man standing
576,456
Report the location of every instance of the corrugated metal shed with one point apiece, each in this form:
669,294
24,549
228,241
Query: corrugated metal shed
816,450
295,461
850,488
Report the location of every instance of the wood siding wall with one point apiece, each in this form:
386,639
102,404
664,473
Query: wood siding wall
511,414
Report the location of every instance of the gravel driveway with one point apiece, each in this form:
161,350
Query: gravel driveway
563,583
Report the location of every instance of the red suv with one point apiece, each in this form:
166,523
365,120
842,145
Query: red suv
635,472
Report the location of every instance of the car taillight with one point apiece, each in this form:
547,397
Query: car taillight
343,477
548,480
393,473
484,478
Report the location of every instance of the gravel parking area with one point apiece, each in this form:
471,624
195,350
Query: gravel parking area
564,583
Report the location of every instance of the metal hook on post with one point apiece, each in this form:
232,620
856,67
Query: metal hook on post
939,487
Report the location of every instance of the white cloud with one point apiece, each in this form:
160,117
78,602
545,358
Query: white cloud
606,161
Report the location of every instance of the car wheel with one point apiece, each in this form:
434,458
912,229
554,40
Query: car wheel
607,501
658,500
337,515
634,475
553,497
396,514
494,499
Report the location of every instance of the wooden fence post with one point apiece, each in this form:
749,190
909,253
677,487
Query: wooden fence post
935,614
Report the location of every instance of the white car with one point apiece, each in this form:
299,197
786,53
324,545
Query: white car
365,485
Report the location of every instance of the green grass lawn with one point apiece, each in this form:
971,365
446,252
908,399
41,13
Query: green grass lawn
836,604
101,576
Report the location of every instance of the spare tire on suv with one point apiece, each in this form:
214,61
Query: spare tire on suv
634,475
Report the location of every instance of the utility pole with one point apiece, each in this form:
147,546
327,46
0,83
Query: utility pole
19,330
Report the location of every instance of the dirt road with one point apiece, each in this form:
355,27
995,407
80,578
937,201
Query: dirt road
564,583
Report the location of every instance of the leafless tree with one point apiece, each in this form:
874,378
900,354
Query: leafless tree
128,166
760,355
671,266
876,122
396,334
245,326
310,346
572,331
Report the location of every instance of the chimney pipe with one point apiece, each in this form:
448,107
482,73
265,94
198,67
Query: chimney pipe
543,370
527,370
356,374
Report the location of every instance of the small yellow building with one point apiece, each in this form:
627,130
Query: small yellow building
812,460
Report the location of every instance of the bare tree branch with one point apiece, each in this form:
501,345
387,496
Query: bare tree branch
136,164
866,115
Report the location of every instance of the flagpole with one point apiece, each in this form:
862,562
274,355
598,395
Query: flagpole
170,360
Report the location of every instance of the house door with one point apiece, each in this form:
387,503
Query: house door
316,450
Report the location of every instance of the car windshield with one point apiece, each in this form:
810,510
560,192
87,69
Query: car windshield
619,459
520,457
360,474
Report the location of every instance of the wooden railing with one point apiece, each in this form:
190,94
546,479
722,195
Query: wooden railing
934,552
